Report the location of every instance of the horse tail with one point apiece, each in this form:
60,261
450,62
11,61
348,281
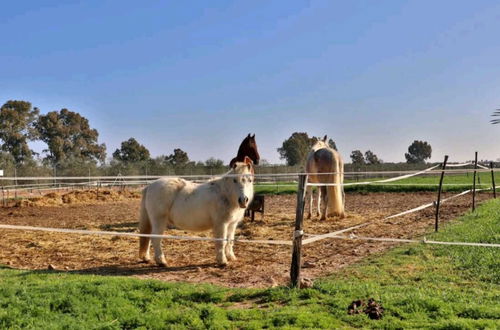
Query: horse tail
342,190
336,193
144,228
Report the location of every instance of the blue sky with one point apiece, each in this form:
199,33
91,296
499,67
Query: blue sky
200,75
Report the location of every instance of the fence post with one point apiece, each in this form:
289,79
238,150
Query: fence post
474,185
493,181
297,234
438,203
98,183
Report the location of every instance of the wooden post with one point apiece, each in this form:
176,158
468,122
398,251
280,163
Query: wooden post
438,203
493,181
297,235
474,185
97,189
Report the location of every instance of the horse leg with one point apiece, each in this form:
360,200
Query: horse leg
231,230
220,231
144,228
318,201
324,199
144,242
158,228
309,201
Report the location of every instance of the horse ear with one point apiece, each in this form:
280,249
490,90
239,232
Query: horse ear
248,161
324,139
248,135
253,136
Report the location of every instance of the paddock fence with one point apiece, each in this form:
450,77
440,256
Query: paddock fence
299,238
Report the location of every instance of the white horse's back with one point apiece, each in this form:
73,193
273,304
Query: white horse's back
178,202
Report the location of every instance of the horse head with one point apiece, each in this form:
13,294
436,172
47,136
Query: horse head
248,148
240,182
320,143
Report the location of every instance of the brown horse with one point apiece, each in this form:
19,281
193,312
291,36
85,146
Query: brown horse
248,148
323,159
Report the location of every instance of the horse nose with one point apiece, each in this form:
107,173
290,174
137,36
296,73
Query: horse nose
243,201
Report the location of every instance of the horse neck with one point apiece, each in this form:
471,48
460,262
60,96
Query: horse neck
221,183
243,150
241,155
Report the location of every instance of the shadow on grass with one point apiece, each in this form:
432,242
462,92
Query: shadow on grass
138,268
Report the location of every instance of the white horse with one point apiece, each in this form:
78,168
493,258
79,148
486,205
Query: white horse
218,205
323,159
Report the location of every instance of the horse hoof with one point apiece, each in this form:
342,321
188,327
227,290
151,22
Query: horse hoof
308,216
323,218
161,262
145,260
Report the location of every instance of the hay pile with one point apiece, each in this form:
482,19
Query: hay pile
79,197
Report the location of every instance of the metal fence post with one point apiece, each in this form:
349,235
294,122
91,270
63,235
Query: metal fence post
474,185
493,181
438,203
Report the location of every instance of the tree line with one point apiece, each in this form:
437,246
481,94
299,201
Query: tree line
294,151
71,142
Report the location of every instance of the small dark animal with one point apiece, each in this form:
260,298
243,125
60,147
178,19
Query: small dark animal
257,205
248,147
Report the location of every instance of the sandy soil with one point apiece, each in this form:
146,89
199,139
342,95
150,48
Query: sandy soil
193,261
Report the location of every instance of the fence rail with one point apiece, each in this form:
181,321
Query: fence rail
297,240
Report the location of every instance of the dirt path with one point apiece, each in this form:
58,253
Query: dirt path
193,261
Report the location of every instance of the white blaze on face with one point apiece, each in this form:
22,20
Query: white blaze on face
243,184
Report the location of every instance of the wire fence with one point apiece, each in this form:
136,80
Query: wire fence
104,181
261,179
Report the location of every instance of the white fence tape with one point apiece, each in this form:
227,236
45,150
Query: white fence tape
208,176
315,238
372,182
483,167
117,233
459,165
403,240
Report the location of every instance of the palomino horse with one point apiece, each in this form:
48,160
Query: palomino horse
323,159
218,205
248,147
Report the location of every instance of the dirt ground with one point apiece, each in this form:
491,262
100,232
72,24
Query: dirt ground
194,261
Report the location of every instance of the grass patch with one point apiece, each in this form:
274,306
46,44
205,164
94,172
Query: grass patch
420,286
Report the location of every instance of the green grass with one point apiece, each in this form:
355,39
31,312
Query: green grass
451,183
420,286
